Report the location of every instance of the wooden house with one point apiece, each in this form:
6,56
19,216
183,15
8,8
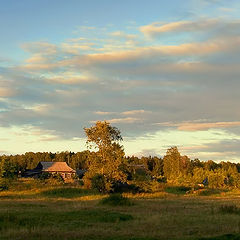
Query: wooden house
51,167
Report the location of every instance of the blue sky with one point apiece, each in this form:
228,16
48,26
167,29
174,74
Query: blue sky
165,72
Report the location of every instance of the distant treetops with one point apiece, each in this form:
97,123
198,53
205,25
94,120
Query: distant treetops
106,168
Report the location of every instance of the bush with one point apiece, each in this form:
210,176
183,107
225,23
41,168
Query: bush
116,200
44,175
119,187
98,183
58,177
3,185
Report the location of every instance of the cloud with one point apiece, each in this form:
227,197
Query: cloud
104,113
133,112
222,150
40,47
132,86
157,28
6,92
122,120
148,152
121,34
70,78
200,126
76,48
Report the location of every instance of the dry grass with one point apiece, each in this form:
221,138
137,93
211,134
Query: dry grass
157,218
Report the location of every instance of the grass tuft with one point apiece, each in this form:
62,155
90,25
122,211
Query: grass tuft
208,192
116,200
229,209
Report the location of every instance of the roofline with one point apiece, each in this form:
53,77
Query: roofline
57,171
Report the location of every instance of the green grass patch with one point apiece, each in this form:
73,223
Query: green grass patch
229,209
116,200
223,237
209,192
43,218
130,238
177,190
67,192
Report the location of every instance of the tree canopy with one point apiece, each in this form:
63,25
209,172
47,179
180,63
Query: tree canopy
110,154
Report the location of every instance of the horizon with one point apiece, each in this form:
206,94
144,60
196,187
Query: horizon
164,73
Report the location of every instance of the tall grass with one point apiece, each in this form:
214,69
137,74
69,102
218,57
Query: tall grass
116,200
229,209
67,192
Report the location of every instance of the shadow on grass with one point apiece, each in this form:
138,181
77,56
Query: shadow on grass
116,200
129,238
210,191
223,237
57,192
64,192
59,219
177,190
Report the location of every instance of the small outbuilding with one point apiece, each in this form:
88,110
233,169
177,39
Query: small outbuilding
51,167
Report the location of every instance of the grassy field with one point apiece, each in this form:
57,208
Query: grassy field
75,213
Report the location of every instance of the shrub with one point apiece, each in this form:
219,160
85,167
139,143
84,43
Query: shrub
44,175
3,185
119,187
116,200
98,183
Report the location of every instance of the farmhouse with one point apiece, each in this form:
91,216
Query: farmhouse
53,168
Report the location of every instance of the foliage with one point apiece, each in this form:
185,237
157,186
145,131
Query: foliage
4,184
175,165
116,200
98,182
44,175
8,169
110,155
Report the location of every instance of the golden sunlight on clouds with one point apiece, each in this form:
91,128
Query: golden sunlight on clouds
196,126
124,120
132,112
6,92
70,78
158,27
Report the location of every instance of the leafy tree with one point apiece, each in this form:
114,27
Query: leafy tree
110,155
8,169
172,163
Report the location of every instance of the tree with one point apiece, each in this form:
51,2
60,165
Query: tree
110,155
172,163
8,169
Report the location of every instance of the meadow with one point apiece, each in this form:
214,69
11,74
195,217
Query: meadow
71,213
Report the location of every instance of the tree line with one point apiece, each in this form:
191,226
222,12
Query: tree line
107,167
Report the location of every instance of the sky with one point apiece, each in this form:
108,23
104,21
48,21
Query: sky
166,73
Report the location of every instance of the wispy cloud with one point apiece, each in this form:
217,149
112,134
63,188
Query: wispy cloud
200,126
133,112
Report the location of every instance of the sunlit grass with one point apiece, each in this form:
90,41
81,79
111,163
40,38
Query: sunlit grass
156,218
71,212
